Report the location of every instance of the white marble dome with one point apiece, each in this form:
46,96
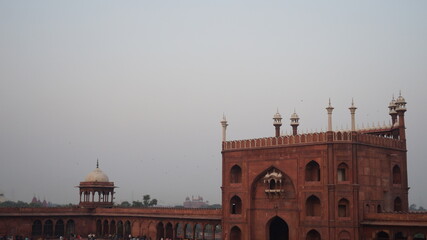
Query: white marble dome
96,175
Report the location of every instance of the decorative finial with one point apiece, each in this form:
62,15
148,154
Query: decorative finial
97,163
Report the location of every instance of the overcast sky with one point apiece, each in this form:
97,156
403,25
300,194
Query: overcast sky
142,86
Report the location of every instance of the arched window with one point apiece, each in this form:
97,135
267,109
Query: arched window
312,206
198,232
113,227
169,230
69,228
98,228
272,184
367,208
397,177
379,209
188,231
312,172
59,228
120,229
342,172
313,235
397,204
37,228
343,208
127,228
382,236
179,231
48,228
208,232
235,233
160,230
399,236
236,174
105,228
218,232
235,205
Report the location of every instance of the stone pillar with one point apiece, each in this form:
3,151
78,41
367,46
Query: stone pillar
224,128
330,109
353,119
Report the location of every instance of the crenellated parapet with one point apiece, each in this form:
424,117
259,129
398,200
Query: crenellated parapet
314,138
383,141
275,141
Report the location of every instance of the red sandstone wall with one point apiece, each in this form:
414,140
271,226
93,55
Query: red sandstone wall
368,182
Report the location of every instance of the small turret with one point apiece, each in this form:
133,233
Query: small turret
400,103
392,107
277,122
294,123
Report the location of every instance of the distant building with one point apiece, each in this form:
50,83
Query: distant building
43,203
195,202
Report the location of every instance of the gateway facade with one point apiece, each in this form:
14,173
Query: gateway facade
334,185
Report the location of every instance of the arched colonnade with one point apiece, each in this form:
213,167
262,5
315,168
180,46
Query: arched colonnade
158,228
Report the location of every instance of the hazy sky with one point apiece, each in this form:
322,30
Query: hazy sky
142,85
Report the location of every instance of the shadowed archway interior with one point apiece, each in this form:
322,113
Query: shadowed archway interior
278,229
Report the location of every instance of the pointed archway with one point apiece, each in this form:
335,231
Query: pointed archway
277,229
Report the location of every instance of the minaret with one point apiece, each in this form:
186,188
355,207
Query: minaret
294,123
353,119
224,128
392,106
277,122
401,109
330,109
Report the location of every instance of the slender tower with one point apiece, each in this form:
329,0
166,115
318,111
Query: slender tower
401,109
277,122
353,119
294,123
330,109
224,128
392,106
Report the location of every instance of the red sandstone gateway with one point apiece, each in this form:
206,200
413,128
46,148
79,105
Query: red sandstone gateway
333,185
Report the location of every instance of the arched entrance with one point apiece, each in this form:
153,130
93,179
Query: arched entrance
278,229
235,233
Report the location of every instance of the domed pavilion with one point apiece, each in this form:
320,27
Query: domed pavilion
96,190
